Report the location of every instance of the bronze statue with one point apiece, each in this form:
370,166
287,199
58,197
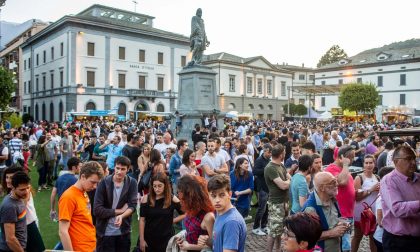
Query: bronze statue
198,39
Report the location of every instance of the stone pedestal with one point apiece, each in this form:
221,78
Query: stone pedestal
197,97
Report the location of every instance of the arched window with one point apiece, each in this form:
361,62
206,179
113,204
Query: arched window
142,106
261,107
36,112
251,106
60,111
270,107
231,106
160,108
122,109
44,112
52,112
90,106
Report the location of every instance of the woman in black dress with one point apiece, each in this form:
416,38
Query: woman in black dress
157,215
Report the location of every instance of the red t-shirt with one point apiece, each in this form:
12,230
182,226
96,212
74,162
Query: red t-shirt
346,197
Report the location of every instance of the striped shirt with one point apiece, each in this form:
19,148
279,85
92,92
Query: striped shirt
15,145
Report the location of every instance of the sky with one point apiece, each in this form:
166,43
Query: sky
283,31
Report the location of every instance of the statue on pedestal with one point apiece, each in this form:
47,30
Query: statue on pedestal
198,39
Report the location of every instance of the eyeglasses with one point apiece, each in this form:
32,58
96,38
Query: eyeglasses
406,158
288,234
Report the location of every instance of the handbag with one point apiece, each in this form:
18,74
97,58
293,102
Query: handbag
368,219
145,178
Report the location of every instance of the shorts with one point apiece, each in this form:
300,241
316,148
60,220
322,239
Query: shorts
179,124
276,214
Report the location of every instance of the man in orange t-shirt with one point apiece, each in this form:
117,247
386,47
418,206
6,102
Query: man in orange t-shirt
76,230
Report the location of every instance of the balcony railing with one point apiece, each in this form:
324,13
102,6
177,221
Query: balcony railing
104,91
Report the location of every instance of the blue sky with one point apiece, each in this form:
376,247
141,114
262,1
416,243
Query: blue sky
292,31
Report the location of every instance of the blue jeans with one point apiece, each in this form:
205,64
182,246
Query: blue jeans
64,160
42,180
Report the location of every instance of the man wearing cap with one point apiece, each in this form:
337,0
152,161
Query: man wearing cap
346,196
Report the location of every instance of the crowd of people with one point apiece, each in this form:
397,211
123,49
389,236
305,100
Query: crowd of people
196,195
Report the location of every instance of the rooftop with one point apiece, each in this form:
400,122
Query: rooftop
397,51
112,18
227,57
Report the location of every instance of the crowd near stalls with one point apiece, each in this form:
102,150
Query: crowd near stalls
315,186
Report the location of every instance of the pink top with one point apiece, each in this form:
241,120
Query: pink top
346,196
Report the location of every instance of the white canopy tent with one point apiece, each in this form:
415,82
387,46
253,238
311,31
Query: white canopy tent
325,116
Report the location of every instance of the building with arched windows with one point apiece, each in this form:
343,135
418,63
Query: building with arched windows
102,59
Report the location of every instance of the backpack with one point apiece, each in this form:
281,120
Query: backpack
368,219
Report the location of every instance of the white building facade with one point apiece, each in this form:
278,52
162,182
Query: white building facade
250,85
394,69
302,77
102,59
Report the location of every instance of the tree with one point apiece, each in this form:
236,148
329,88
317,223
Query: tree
7,88
15,120
359,97
301,110
292,109
334,54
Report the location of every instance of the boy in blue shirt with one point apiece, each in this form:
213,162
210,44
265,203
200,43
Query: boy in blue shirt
229,230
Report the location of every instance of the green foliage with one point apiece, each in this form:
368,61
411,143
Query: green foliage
359,97
292,108
27,117
299,110
15,120
334,54
7,87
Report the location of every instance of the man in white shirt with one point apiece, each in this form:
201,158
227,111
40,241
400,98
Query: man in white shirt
220,151
116,132
167,143
212,163
249,146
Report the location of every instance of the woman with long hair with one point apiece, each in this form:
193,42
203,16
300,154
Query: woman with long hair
199,154
229,149
34,239
242,185
188,164
41,163
156,162
367,188
144,158
327,150
157,215
199,216
243,153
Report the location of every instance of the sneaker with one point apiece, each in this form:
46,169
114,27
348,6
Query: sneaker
258,231
249,217
265,230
